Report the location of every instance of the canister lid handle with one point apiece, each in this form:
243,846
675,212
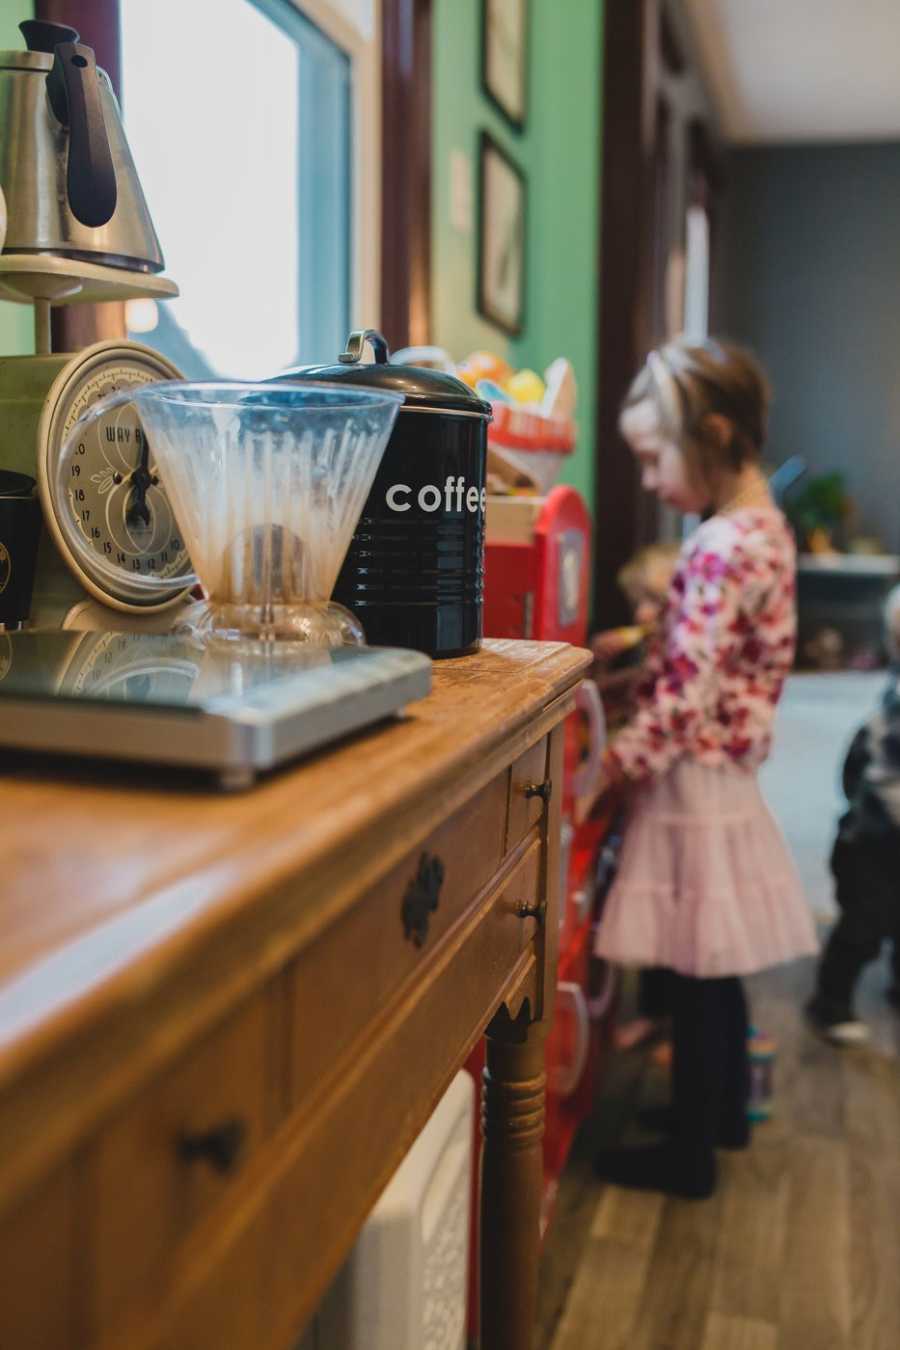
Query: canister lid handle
356,344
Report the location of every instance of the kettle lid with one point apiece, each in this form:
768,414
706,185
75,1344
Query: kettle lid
421,388
42,39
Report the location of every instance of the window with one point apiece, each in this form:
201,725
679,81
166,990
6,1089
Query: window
247,121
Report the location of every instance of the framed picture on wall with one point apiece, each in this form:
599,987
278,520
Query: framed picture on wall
504,57
502,213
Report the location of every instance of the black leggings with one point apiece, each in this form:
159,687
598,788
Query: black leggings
653,993
710,1071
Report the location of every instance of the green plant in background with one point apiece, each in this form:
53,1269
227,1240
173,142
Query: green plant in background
821,509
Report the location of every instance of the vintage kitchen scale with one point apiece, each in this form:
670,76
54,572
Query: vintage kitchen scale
78,231
150,485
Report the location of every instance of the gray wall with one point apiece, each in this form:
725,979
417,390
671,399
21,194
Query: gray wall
808,274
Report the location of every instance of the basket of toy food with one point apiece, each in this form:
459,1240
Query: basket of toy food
533,427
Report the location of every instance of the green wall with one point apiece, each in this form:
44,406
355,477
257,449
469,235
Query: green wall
16,321
560,154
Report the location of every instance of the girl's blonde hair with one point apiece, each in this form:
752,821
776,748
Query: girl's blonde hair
687,382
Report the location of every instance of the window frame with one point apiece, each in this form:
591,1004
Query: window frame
364,53
77,327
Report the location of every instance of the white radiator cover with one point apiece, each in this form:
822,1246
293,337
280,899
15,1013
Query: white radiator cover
404,1285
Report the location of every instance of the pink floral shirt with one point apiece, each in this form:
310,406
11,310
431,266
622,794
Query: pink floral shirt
725,646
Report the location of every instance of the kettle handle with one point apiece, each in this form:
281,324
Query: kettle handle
356,343
73,87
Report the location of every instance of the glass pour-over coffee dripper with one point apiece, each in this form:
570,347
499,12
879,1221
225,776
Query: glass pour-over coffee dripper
266,483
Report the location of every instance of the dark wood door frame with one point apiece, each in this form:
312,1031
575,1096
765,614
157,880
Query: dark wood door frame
655,116
625,268
406,171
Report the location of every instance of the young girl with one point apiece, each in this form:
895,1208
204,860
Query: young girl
706,887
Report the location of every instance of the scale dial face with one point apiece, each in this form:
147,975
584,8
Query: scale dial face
110,493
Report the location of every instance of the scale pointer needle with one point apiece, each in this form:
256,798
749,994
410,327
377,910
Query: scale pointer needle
140,480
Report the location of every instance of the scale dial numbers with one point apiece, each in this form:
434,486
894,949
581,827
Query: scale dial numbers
109,492
102,497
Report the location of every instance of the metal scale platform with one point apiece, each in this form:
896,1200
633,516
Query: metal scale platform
170,701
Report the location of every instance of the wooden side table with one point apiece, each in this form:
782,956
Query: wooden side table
224,1020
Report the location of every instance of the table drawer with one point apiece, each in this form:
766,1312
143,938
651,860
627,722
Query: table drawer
37,1281
350,1139
525,804
342,979
173,1154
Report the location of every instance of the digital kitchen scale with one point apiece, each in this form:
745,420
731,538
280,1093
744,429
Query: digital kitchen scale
235,709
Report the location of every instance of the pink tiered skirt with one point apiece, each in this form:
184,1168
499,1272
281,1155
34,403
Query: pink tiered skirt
705,885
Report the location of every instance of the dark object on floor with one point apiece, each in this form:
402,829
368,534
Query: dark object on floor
661,1168
761,1053
661,1120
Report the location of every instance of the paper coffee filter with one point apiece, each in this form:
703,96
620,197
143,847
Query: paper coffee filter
267,481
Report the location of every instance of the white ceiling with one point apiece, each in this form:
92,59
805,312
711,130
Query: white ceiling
801,70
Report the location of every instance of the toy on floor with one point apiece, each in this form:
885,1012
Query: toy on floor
762,1068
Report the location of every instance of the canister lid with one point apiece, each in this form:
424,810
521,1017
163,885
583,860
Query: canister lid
422,390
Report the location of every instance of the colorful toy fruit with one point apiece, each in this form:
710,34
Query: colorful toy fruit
467,376
485,366
526,386
491,391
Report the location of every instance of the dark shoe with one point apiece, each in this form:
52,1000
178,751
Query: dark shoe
656,1169
838,1026
661,1120
657,1119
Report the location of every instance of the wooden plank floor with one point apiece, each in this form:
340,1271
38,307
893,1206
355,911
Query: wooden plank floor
800,1247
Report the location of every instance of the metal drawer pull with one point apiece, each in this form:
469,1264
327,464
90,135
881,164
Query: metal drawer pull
526,911
220,1147
543,790
421,898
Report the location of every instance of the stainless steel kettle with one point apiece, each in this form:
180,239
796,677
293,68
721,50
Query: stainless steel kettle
66,171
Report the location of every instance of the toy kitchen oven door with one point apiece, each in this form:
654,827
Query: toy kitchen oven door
537,581
537,565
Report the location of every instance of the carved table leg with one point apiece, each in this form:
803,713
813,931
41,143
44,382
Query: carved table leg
512,1177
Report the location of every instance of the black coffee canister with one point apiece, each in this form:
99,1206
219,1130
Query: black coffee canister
414,572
